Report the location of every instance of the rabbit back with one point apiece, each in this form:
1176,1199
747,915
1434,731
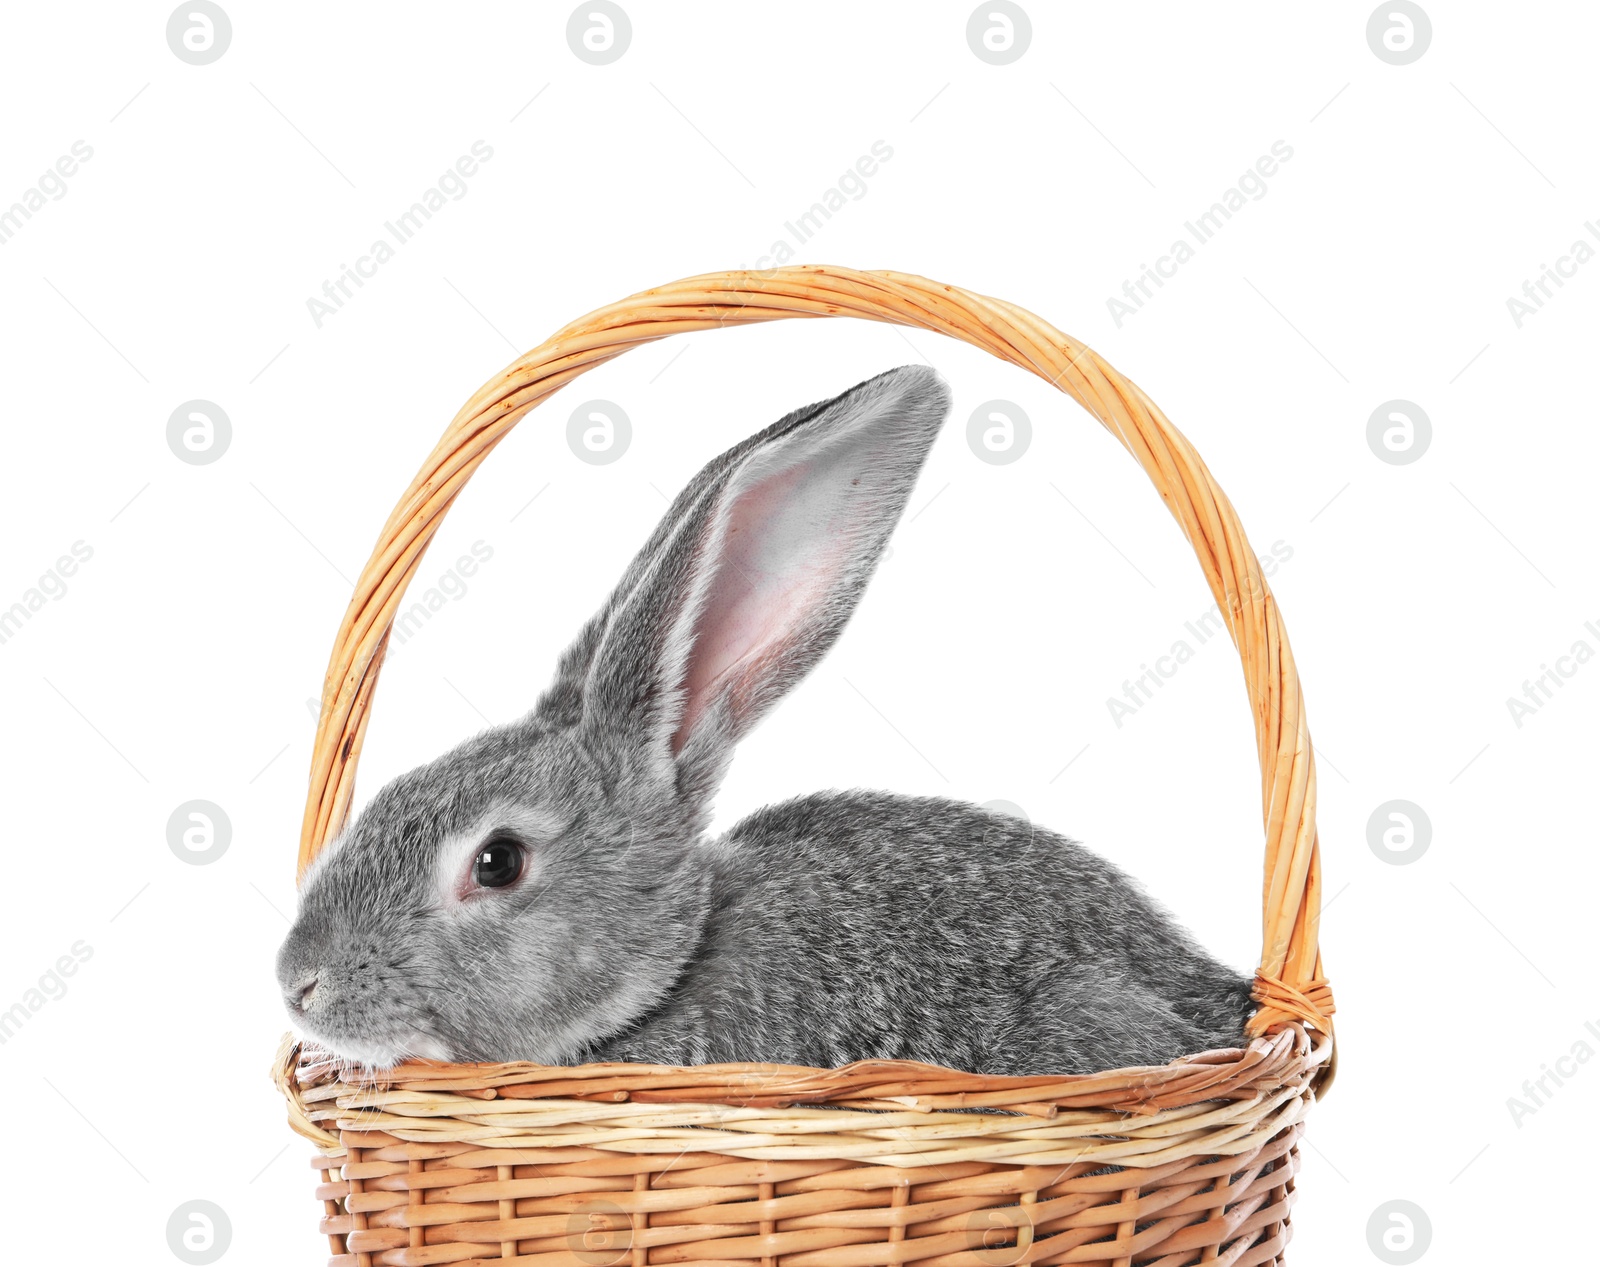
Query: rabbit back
865,925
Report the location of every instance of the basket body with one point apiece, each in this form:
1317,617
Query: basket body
616,1166
878,1163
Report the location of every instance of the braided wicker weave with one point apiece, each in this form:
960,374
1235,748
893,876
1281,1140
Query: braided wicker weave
869,1165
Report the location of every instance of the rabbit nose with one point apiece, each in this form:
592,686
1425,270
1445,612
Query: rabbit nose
303,994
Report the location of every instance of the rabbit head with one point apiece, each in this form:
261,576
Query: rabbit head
539,887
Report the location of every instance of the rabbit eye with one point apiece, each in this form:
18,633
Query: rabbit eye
498,863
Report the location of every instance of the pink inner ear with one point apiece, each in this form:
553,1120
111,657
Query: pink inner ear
780,555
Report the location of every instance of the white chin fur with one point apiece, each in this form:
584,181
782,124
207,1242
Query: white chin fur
387,1055
429,1048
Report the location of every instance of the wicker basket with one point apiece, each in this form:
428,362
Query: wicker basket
864,1166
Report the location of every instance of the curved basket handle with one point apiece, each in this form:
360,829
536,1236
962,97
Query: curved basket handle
1289,983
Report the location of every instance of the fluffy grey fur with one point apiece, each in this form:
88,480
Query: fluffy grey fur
832,927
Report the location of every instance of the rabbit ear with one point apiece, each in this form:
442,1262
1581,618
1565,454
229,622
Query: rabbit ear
562,701
750,578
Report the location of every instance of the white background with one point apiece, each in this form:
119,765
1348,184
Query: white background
179,662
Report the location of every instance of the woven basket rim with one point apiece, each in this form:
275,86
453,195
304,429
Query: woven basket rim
961,1108
1294,998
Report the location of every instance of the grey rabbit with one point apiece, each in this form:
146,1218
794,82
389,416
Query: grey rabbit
546,891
